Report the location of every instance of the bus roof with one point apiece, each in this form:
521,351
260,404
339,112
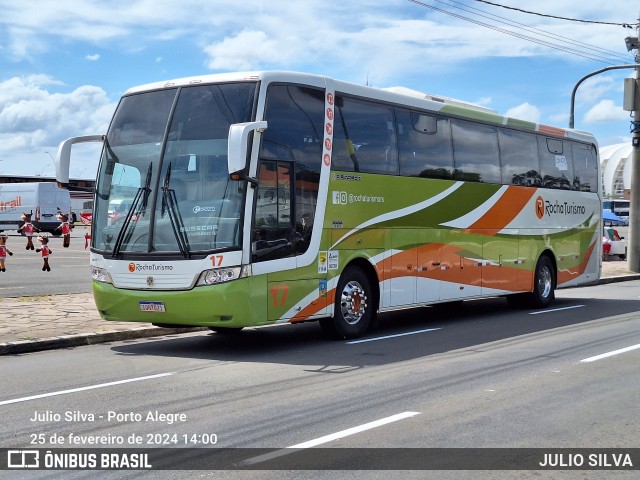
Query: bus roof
397,95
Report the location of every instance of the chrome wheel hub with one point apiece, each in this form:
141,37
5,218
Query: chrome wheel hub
353,302
545,282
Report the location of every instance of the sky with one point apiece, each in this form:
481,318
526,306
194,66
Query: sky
64,65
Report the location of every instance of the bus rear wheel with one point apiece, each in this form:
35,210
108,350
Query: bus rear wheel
354,309
544,286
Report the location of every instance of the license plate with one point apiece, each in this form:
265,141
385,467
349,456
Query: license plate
152,307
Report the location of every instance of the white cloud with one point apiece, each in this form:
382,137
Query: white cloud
245,51
605,111
484,101
388,43
595,88
559,118
34,119
23,44
524,111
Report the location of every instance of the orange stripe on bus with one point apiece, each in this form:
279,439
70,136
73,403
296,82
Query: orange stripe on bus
307,311
499,277
570,273
552,130
503,211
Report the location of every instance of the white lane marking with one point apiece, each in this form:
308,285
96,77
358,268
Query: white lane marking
610,354
375,339
555,309
330,438
82,389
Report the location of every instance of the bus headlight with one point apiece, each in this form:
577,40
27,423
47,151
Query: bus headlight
221,275
100,275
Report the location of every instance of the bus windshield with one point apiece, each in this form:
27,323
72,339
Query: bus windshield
163,185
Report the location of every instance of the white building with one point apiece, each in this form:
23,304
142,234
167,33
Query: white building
615,164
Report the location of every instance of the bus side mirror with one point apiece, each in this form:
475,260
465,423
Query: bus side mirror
63,157
237,144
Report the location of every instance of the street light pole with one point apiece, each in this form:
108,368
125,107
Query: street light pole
575,89
53,161
633,250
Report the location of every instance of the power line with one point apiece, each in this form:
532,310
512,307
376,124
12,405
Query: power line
574,51
537,31
625,25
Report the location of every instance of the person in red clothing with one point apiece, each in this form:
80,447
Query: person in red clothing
3,252
28,229
46,251
66,227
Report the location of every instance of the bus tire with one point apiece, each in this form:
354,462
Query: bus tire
226,330
354,308
544,283
544,286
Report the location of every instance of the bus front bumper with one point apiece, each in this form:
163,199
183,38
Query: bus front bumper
225,305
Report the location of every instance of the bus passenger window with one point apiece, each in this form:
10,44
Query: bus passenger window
519,158
364,136
424,144
585,167
556,164
475,148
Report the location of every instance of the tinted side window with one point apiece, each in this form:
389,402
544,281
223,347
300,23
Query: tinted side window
519,158
296,121
364,137
585,167
289,172
475,151
424,144
556,166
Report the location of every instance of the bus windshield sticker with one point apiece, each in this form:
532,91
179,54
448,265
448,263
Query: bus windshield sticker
322,262
322,288
561,163
333,259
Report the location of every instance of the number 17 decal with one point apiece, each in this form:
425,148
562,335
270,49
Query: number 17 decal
216,260
278,300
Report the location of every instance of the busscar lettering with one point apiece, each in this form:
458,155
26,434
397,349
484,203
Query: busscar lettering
351,178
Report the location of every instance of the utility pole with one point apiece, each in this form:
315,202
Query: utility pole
633,249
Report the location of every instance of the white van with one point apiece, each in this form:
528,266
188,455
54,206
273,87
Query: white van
44,200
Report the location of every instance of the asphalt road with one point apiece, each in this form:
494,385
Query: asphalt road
478,375
70,271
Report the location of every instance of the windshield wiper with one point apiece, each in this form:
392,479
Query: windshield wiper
170,204
141,194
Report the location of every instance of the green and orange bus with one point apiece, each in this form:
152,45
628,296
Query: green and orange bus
236,200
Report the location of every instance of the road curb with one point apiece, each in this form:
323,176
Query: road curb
619,278
67,341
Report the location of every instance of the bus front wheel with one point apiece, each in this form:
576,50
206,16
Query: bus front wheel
354,309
